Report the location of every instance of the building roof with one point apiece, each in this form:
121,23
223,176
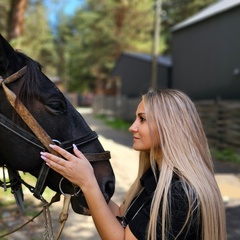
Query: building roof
214,9
163,60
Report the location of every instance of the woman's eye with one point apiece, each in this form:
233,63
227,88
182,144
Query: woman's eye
142,119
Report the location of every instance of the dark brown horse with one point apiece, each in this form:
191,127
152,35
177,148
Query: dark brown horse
20,148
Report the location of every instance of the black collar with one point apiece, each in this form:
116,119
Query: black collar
148,181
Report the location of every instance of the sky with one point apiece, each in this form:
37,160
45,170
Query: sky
68,7
71,5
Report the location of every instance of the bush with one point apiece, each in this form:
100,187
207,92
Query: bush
227,155
115,123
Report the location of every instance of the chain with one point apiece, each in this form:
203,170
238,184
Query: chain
47,224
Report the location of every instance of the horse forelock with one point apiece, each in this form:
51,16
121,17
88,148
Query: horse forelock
30,81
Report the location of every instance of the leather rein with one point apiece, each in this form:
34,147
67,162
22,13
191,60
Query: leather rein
40,134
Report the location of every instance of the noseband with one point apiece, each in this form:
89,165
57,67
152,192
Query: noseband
40,133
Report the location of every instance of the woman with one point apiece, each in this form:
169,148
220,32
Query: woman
175,195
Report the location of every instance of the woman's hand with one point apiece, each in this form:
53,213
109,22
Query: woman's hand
76,168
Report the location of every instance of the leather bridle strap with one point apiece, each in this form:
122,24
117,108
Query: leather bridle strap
96,157
15,76
29,119
37,130
67,145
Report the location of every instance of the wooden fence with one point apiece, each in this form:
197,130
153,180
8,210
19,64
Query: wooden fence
221,121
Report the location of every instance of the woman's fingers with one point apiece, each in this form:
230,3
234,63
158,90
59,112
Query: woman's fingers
78,153
55,162
66,154
61,151
76,169
59,163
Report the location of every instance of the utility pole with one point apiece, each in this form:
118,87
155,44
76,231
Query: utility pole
155,51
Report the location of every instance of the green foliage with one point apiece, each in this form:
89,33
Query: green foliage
9,198
99,33
37,41
115,123
228,155
4,8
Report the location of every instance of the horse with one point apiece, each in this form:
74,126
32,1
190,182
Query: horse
19,146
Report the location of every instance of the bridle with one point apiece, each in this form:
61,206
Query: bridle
41,138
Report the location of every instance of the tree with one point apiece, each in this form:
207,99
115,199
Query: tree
4,8
28,30
38,37
99,33
16,18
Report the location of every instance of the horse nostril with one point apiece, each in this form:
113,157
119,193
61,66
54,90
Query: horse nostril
110,188
107,188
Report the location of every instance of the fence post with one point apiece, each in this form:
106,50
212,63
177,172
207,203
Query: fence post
220,125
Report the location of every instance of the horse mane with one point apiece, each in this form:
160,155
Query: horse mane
29,84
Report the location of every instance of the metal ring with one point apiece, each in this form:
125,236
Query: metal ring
60,188
57,142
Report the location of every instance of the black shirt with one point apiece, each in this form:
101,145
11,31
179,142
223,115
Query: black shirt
139,211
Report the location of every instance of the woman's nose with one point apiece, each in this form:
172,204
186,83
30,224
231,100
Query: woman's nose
133,127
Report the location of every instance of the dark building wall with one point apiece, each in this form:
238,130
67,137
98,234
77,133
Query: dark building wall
135,75
206,55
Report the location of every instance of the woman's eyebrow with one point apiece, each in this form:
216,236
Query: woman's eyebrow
141,114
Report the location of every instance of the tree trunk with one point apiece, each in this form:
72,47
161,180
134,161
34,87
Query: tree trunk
15,18
119,18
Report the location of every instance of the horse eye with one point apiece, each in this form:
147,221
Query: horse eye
56,107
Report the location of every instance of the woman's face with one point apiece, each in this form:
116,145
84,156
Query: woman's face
141,134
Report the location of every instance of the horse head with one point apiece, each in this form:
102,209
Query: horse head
20,148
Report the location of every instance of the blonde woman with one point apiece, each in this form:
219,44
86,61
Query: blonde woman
175,195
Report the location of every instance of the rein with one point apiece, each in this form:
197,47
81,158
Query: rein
41,138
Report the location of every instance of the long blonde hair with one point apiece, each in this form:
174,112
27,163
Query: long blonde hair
185,152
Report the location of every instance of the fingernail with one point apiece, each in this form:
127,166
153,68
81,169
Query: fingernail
52,145
43,157
74,146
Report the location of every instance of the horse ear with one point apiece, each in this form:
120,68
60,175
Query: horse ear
5,51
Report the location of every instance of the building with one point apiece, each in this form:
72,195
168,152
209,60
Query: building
132,74
206,52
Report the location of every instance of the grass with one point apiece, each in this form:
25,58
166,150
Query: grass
9,212
115,123
227,155
7,198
